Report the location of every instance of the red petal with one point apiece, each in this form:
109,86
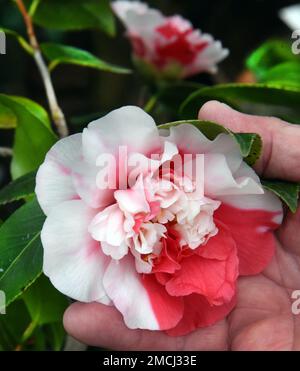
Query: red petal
219,246
214,279
168,310
199,313
167,261
252,231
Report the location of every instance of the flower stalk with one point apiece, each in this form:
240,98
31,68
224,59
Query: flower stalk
56,112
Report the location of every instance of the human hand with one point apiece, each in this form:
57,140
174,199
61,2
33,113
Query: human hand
262,319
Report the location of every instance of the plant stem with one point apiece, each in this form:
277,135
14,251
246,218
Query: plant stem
26,335
5,152
56,112
151,103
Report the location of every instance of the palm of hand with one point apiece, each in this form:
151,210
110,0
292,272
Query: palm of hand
263,318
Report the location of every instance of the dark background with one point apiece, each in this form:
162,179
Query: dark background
241,25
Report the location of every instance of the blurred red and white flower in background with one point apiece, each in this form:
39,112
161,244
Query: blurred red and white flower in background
165,252
290,15
167,46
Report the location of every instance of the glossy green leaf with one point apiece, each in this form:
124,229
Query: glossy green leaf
286,74
21,250
250,144
268,55
44,303
287,191
269,99
19,38
8,119
18,189
63,54
75,15
33,135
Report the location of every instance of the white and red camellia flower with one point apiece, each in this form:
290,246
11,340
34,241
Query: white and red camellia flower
164,251
167,46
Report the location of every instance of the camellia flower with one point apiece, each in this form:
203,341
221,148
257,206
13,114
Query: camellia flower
127,227
167,46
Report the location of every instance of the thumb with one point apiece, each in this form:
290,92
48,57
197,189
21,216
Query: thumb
281,140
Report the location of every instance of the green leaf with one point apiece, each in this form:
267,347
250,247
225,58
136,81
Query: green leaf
13,324
286,74
8,119
21,250
33,108
18,189
33,135
287,191
270,99
210,129
75,15
44,303
250,144
63,54
268,55
19,38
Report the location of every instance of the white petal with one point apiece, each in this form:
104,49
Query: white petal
115,252
267,201
133,200
84,178
207,60
128,126
137,16
219,180
190,140
291,16
108,226
53,182
124,287
73,261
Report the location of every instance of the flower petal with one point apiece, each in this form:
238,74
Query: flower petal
143,302
190,140
73,261
108,226
136,16
219,246
84,177
199,313
210,56
53,181
127,126
211,278
219,179
252,220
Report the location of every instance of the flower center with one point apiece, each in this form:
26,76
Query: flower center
140,220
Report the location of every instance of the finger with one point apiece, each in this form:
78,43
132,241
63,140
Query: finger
281,150
288,233
100,325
